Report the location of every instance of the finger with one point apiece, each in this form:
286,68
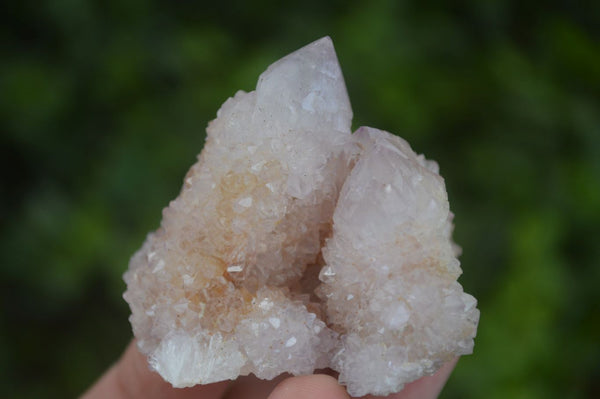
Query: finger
131,378
318,386
251,387
426,387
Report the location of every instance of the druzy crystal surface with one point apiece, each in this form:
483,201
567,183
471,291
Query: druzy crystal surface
296,245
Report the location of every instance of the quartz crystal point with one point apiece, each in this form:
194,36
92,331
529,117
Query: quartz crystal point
389,283
296,245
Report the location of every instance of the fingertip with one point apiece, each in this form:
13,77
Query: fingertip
318,386
131,377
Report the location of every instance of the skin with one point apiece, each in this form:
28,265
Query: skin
131,378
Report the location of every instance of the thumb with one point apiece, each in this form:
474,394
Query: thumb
318,386
130,377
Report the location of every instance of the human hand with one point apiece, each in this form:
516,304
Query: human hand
131,378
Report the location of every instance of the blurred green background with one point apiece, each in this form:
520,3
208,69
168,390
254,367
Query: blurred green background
103,106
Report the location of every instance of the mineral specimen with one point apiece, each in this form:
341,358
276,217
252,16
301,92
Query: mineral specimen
296,245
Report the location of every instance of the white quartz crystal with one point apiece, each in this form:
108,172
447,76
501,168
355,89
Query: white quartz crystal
389,284
296,245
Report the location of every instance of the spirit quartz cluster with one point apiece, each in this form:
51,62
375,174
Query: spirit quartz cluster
295,245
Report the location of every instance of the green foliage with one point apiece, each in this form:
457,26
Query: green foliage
103,107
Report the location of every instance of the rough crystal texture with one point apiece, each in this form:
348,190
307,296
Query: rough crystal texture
389,283
297,245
